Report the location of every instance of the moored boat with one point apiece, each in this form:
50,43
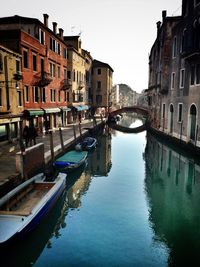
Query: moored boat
88,144
71,160
23,208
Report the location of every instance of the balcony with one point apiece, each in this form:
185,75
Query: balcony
17,76
77,97
42,79
65,84
81,85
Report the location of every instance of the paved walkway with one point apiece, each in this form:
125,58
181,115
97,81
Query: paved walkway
8,150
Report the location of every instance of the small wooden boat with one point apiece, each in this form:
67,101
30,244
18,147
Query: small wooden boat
22,209
71,160
88,144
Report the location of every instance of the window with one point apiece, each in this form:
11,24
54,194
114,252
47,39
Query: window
52,69
58,72
65,73
192,75
53,95
19,98
18,69
163,110
1,63
59,96
26,91
183,40
198,74
174,49
65,53
98,99
58,48
25,58
52,44
42,64
74,76
1,98
182,78
98,85
173,80
180,112
34,58
35,94
69,74
43,94
41,36
99,71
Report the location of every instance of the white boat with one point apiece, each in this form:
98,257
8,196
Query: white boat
22,209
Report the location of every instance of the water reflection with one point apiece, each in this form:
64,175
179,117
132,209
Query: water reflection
173,189
25,252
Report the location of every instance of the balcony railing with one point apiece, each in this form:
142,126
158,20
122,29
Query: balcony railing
42,79
65,84
81,85
17,76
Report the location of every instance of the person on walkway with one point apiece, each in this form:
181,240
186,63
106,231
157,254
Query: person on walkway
26,135
32,135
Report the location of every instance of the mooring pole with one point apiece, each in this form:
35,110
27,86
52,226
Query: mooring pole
74,129
61,138
80,130
51,145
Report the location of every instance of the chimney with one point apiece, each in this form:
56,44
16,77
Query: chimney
54,27
158,27
164,14
46,16
61,33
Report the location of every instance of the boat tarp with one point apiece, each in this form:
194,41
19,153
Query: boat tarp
72,156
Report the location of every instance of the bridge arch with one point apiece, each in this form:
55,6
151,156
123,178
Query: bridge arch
133,109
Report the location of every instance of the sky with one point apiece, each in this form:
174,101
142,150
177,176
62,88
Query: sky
118,32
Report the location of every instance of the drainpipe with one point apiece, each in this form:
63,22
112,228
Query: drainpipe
6,83
197,129
181,130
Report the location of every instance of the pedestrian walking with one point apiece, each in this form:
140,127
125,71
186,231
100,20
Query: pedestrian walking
26,135
32,135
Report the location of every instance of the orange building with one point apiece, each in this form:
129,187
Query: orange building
44,68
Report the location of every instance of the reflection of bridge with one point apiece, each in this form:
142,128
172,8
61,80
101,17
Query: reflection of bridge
134,109
124,129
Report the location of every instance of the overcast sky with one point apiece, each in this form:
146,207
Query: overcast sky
118,32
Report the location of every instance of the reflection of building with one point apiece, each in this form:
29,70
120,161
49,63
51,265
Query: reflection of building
99,162
173,190
11,102
75,191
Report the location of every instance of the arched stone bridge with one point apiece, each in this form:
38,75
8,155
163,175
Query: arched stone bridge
134,109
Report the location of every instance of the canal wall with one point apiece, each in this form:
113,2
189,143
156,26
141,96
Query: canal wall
36,158
186,147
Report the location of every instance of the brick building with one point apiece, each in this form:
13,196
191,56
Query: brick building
44,68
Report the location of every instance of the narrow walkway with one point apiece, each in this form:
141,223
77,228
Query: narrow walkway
8,150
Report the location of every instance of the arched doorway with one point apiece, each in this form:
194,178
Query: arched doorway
193,122
171,118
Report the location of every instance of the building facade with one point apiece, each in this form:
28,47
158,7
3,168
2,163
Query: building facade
174,75
101,87
44,68
11,102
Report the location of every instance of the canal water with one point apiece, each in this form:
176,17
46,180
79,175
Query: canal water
135,203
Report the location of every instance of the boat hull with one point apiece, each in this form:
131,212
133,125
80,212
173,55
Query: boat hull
18,226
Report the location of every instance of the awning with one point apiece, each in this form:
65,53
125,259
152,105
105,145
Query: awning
33,112
51,110
65,108
82,107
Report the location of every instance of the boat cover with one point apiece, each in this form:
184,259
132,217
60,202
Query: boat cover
72,157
